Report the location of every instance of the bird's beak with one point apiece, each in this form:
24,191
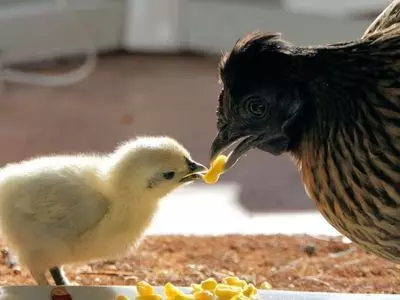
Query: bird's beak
220,144
195,170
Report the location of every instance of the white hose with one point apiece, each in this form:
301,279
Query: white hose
88,66
52,80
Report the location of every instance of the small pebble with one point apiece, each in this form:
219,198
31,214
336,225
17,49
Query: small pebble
110,267
310,250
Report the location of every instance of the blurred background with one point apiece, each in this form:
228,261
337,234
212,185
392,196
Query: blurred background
82,75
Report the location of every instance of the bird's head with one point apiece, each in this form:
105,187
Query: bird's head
261,100
154,164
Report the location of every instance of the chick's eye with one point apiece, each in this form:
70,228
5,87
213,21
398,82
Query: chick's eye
169,175
255,107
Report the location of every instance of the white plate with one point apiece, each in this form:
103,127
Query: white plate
111,292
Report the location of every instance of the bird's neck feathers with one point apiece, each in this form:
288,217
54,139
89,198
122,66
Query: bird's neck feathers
349,146
352,107
345,82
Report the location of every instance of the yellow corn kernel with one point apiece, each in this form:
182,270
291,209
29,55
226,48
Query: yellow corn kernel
122,297
183,297
149,297
226,292
172,291
196,287
209,284
235,281
242,283
227,286
217,167
144,289
265,285
240,297
230,280
250,291
203,295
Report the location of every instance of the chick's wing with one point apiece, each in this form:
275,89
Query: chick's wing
60,202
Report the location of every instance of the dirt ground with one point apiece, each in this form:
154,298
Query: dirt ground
301,263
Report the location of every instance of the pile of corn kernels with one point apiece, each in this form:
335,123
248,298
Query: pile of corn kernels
231,288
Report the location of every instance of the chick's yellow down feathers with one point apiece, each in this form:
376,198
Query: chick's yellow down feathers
69,209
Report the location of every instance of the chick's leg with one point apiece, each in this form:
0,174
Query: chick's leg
58,276
40,277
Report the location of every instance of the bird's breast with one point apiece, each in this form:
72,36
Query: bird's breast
359,196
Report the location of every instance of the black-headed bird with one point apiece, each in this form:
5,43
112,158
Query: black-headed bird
336,110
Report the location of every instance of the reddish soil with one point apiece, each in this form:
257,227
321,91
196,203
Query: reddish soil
288,262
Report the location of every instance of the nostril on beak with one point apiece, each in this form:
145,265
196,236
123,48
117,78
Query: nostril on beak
192,166
195,167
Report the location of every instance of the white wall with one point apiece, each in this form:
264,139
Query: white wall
338,8
214,25
44,28
31,29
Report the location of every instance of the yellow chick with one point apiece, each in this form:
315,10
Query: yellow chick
60,210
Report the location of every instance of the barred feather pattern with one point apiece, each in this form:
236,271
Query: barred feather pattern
389,16
349,155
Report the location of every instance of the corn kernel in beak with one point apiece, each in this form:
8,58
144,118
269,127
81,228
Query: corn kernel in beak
217,168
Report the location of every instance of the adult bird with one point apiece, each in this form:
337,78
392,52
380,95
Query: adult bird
336,110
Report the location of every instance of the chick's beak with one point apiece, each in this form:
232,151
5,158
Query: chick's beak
195,170
220,144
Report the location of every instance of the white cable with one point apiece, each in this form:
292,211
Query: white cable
88,66
52,80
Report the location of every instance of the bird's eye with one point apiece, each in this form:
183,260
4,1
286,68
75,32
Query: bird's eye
169,175
255,107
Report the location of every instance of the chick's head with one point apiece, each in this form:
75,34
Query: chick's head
154,164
